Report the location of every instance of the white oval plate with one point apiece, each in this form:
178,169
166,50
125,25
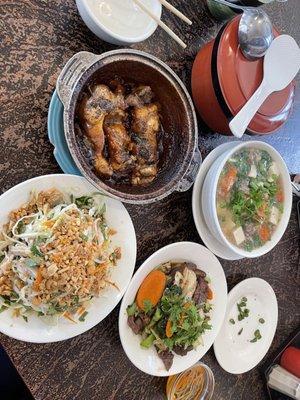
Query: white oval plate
218,248
148,360
235,353
118,218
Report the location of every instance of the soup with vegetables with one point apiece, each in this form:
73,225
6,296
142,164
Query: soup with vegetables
249,198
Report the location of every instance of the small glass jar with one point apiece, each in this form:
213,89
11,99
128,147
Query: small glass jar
196,383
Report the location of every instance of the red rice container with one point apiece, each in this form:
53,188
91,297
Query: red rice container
223,80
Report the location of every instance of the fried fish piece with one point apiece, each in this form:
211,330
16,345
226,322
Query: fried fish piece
119,142
145,126
138,97
92,113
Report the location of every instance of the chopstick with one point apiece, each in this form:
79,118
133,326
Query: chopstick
160,23
175,11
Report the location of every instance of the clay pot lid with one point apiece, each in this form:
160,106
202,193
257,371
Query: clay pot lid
239,78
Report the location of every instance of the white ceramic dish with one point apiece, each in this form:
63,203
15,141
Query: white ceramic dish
119,22
235,353
147,360
117,217
218,248
209,199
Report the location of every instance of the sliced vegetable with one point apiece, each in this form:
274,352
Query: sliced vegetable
82,316
210,294
169,332
264,233
147,343
151,289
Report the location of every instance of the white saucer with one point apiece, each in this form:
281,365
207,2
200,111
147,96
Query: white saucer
208,239
235,353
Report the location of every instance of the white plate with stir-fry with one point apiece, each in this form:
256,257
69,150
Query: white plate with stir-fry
67,254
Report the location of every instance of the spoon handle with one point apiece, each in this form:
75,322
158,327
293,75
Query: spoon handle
240,122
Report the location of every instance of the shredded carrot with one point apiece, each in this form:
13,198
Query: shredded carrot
210,294
68,316
38,279
264,233
151,289
81,310
169,332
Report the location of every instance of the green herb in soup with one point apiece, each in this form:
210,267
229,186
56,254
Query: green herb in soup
249,198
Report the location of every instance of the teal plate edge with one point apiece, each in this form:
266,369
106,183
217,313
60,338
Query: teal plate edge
56,134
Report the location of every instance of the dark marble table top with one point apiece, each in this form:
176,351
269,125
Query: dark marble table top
37,38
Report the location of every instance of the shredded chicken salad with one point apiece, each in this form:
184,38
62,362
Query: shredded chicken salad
55,256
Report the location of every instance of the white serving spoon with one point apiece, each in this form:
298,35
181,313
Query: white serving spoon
281,64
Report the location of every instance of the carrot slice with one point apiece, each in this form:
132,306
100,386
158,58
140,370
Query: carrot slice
264,233
151,289
210,294
228,180
279,196
169,329
261,212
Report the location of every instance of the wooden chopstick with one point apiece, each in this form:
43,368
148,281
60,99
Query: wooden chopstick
175,11
160,23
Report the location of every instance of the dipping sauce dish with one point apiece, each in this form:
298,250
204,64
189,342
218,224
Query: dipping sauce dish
121,24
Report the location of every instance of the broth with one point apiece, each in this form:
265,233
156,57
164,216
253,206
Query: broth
250,198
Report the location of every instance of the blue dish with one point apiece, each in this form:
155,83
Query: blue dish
57,138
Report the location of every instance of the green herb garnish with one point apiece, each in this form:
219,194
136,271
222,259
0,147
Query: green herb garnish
25,318
261,321
84,202
243,311
240,331
132,310
82,316
207,307
3,308
232,321
257,336
147,306
36,251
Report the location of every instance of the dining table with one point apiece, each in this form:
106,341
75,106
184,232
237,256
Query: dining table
37,37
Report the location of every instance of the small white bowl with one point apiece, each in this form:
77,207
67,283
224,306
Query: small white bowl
148,360
122,23
209,192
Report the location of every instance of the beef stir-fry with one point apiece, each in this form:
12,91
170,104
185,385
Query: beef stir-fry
122,125
171,310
